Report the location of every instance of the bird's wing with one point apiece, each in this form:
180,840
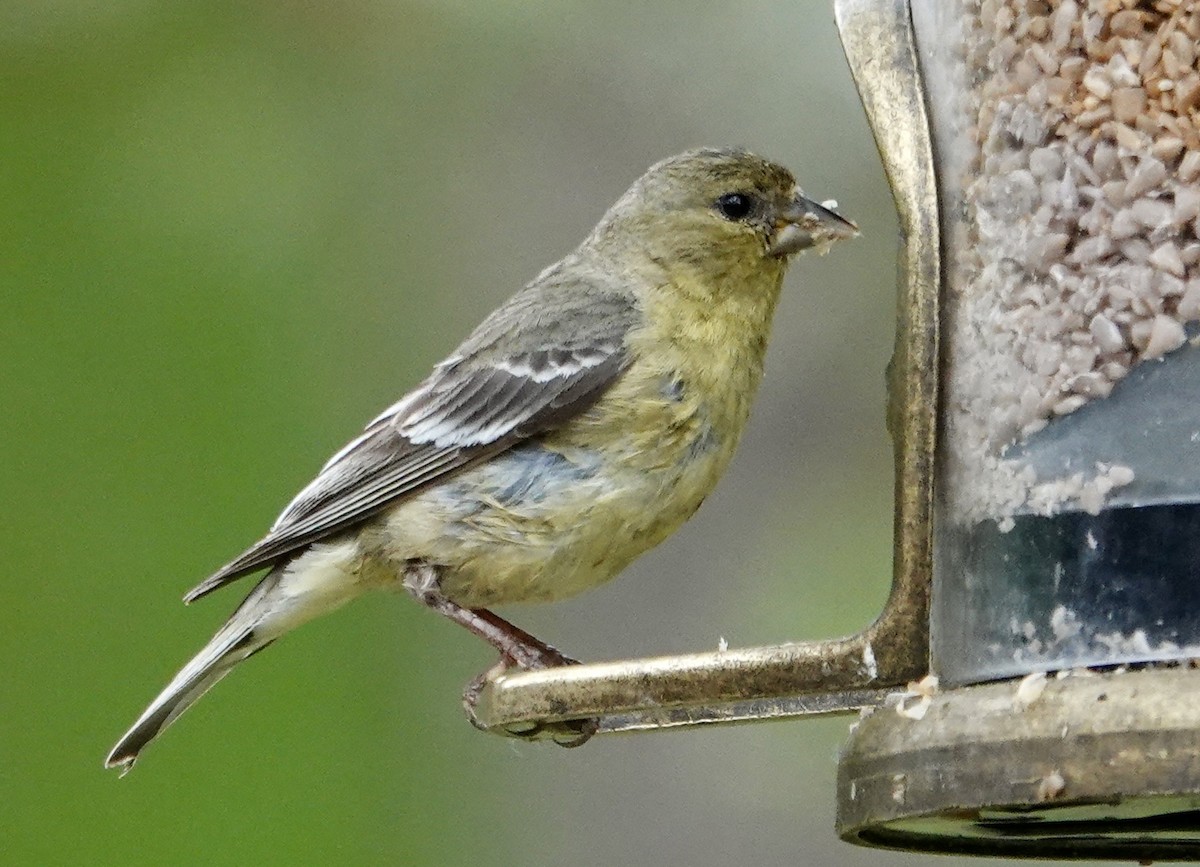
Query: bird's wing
492,392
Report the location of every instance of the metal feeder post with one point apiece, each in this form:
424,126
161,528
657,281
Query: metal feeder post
801,678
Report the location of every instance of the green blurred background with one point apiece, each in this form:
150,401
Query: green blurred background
232,233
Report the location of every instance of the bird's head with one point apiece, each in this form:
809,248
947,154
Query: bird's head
720,210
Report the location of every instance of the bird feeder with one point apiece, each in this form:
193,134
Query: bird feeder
1064,607
1045,411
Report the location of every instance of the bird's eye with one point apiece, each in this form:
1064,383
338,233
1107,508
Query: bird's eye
735,206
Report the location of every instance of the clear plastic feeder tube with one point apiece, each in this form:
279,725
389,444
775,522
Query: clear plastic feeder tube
1068,495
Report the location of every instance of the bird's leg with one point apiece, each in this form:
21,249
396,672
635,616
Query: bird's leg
517,648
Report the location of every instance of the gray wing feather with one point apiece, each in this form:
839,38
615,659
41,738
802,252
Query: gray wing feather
479,402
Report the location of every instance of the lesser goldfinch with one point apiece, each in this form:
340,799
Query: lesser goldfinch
576,428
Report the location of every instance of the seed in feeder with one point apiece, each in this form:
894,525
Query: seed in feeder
1078,251
1166,257
1046,162
1127,22
1183,48
1170,63
1092,249
1090,384
1151,213
1189,167
1167,147
1150,172
1166,334
1043,58
1073,68
1189,304
1128,103
1125,224
1062,23
1127,137
1138,251
1187,204
1094,117
1150,58
1068,405
1169,285
1187,93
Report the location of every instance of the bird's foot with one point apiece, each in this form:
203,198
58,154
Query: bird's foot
565,733
518,649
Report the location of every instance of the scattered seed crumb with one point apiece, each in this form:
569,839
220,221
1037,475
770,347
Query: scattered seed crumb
870,665
915,710
1050,787
1029,690
926,687
923,691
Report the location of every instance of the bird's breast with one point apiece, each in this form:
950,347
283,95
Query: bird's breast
572,508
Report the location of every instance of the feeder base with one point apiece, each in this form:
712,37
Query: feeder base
1095,765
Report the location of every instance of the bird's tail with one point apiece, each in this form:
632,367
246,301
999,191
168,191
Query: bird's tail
245,633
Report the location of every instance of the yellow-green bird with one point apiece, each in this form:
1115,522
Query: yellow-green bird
576,428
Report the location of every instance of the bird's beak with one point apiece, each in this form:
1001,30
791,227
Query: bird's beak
804,224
